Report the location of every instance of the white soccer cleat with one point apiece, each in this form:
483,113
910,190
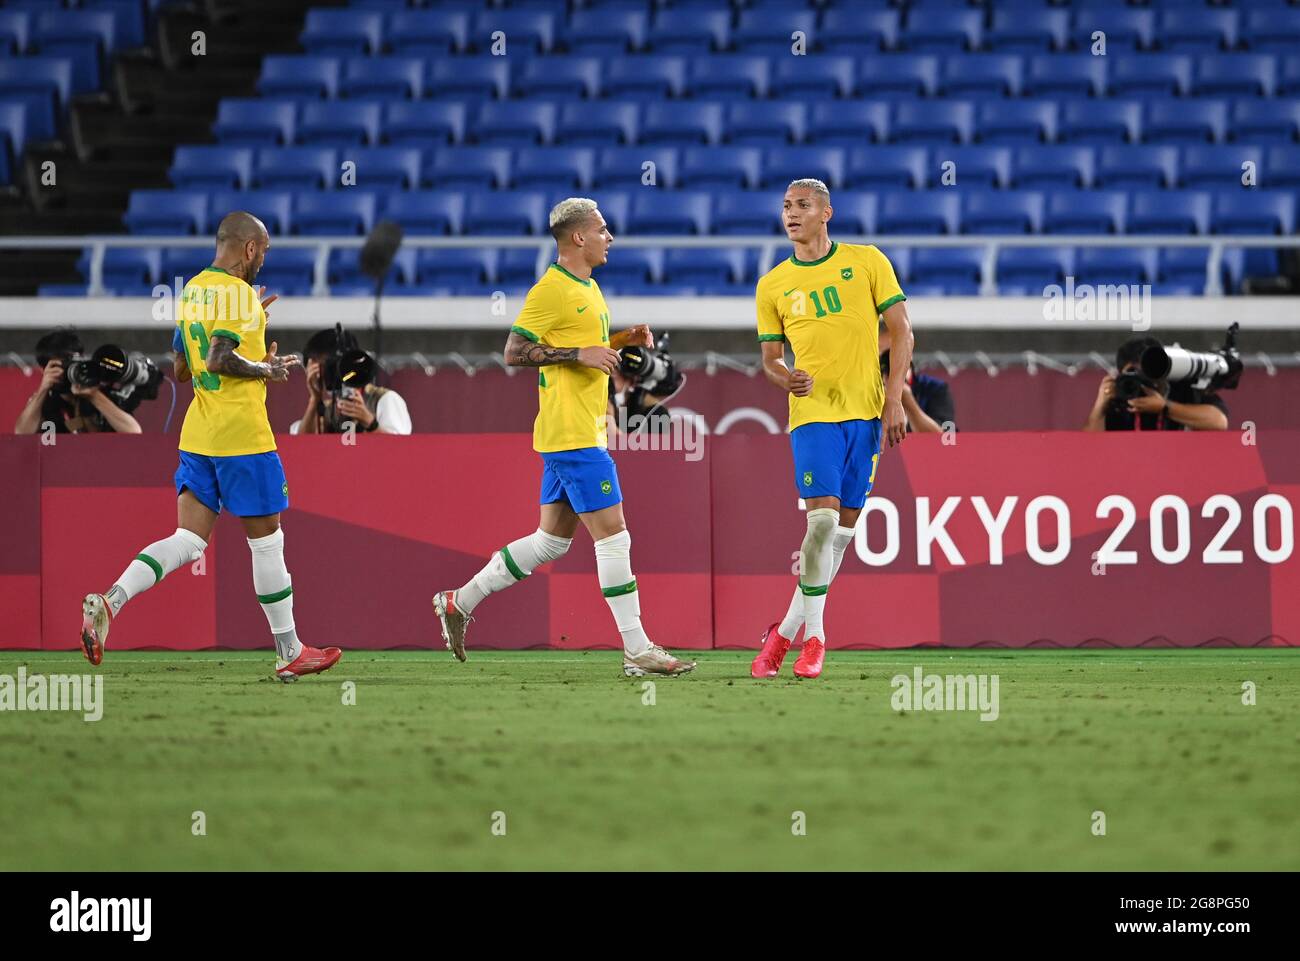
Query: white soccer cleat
96,616
455,623
655,660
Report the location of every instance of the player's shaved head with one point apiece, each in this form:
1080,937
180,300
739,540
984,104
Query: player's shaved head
238,228
242,243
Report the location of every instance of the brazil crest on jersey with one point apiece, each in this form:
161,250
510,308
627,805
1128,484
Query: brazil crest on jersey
828,311
227,416
564,311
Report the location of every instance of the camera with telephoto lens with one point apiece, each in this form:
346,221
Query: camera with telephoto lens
1216,369
127,379
651,371
346,372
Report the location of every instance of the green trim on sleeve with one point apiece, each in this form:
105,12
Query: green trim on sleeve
516,329
620,590
277,596
222,332
153,564
771,336
897,298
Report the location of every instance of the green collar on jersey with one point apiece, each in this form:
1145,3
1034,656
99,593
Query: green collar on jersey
217,270
820,260
585,283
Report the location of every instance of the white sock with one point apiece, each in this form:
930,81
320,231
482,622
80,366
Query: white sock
510,565
154,563
793,620
275,592
816,578
614,570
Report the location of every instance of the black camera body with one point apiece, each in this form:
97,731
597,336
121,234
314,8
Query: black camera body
127,379
347,371
651,371
1130,384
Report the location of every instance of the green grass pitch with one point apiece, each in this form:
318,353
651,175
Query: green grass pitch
709,776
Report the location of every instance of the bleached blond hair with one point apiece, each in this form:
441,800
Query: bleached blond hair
569,214
815,185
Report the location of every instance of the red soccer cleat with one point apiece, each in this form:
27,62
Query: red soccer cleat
769,659
811,658
312,660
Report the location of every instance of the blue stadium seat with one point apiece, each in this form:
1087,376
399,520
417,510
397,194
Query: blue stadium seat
1020,29
1265,121
458,266
1053,167
1185,121
272,207
211,168
785,164
296,168
427,212
129,26
606,32
1002,211
1130,167
384,78
1085,212
515,123
766,124
289,271
646,78
954,31
888,167
506,212
256,122
1254,211
853,30
518,266
427,33
1203,31
735,212
1281,168
1151,75
628,167
340,123
1123,27
729,77
555,171
1204,165
168,212
901,259
848,123
347,211
920,212
812,77
386,168
856,212
86,36
48,76
615,207
566,77
1169,212
982,167
721,167
469,168
770,31
1236,75
1119,266
463,78
632,270
343,270
15,29
1066,75
129,268
956,272
299,76
1288,84
690,31
1028,270
900,76
718,270
13,136
1275,30
1017,122
673,212
598,124
1100,121
179,264
522,31
681,124
1183,266
933,122
343,32
983,75
424,124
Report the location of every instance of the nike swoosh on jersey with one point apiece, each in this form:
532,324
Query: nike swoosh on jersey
581,309
790,291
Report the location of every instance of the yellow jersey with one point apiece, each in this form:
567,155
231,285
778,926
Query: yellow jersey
829,310
563,311
227,416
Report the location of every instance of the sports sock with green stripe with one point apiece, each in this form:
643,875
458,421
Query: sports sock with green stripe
614,569
510,565
275,592
154,563
793,619
816,577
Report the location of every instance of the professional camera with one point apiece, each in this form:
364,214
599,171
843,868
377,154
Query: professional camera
651,371
127,379
347,371
1218,369
1130,384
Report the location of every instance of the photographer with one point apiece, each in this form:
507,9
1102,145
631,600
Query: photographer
644,381
87,395
1132,400
341,389
927,401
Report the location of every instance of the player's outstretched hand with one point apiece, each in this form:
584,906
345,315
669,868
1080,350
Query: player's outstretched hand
279,366
894,421
801,382
266,301
599,358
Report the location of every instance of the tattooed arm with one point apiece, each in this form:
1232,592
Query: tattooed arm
522,352
223,360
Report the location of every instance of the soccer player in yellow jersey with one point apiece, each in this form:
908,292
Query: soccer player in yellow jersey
227,450
563,330
825,301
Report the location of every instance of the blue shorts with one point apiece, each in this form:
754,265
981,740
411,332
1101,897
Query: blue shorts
836,460
247,485
586,478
